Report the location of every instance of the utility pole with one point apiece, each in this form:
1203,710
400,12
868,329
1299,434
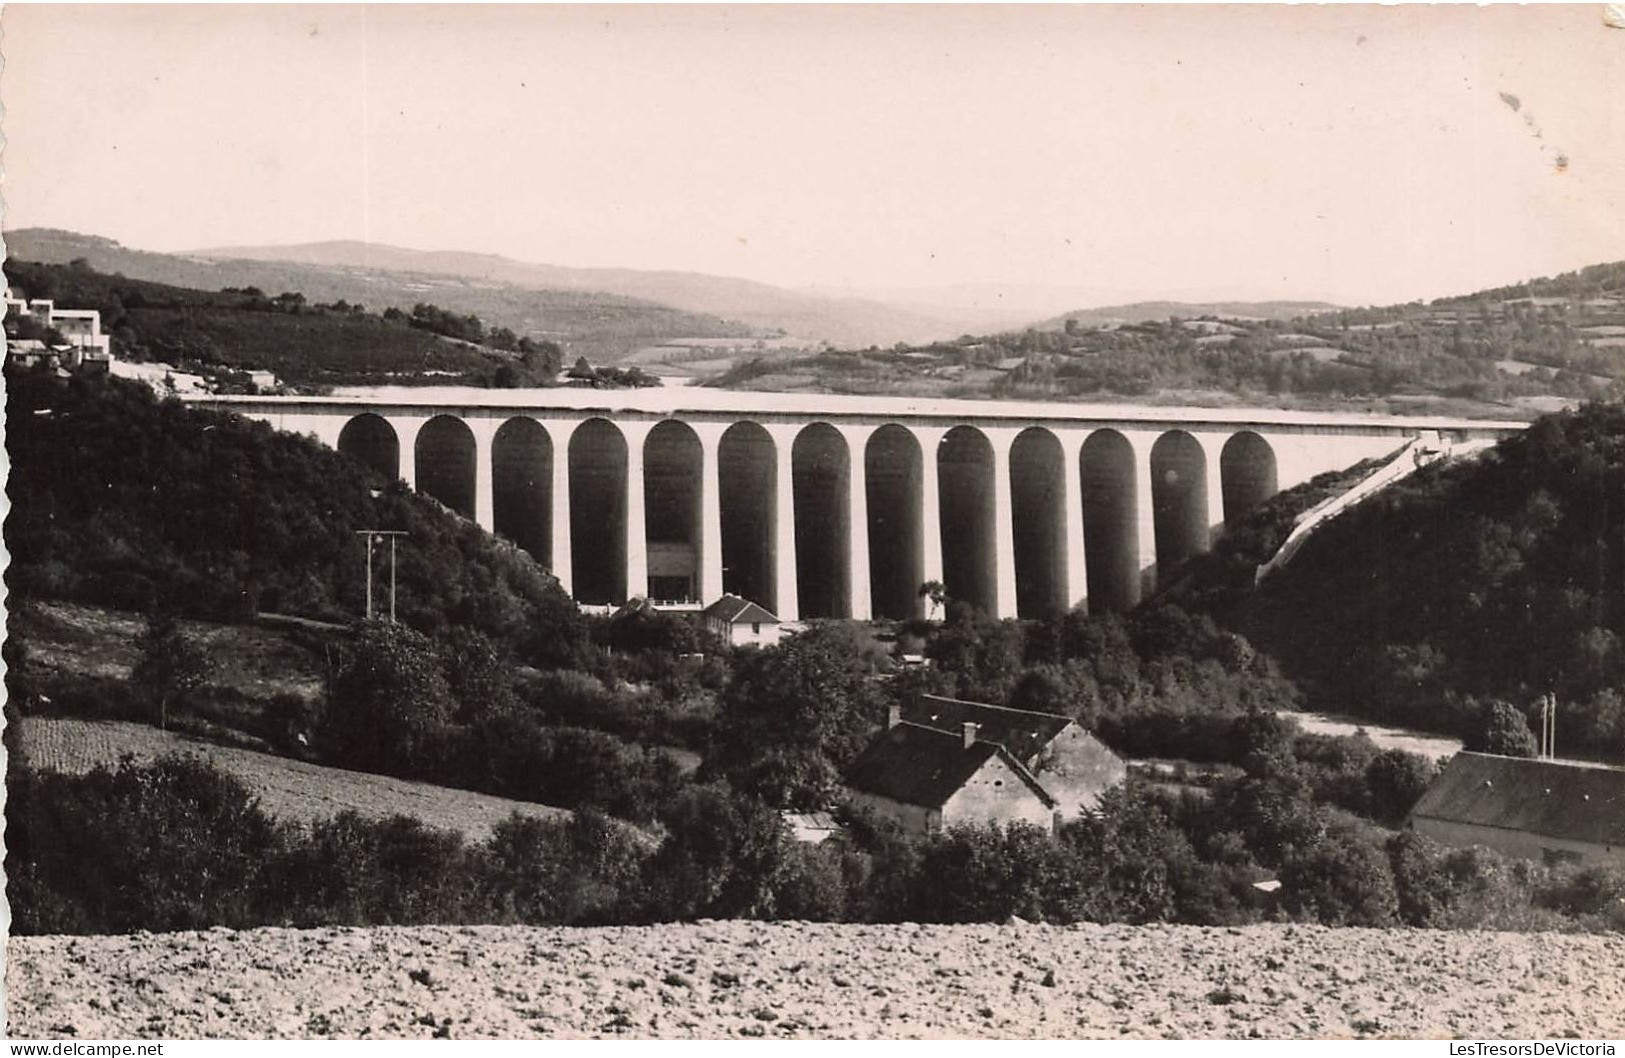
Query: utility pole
371,534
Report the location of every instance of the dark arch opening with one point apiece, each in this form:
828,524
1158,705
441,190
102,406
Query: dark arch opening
672,459
598,512
893,479
1179,498
371,441
445,463
522,486
965,474
1110,514
747,480
820,476
1038,523
1247,474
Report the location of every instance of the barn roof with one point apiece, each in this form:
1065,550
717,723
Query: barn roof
920,765
738,611
1023,733
1575,802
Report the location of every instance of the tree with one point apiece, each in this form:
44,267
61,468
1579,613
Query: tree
1502,729
386,696
1395,780
812,696
1340,880
170,665
934,591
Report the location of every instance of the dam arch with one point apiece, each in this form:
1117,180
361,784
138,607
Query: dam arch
598,492
445,463
893,477
522,486
672,467
1248,473
371,441
1038,523
1107,484
1179,498
820,477
965,469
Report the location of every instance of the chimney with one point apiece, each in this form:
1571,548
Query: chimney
969,729
894,716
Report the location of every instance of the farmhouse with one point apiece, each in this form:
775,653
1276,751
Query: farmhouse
740,622
1073,766
944,761
1535,809
924,779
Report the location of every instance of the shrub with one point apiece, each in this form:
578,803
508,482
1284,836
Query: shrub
578,871
987,873
1340,880
385,697
171,845
722,857
1501,729
1395,780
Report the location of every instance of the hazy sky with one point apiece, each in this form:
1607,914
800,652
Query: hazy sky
1359,154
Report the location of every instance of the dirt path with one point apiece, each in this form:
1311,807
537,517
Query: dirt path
800,980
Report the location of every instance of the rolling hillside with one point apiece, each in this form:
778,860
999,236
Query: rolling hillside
588,322
841,321
1523,350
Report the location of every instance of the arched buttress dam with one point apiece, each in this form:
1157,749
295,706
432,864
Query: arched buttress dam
818,505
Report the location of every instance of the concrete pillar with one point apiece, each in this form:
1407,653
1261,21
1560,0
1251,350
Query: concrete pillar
637,534
559,432
858,588
1145,515
930,439
1004,548
1213,452
484,431
786,598
406,429
1077,580
710,542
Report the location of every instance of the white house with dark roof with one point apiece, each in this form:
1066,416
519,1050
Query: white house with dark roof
1073,766
742,623
943,761
1531,808
924,780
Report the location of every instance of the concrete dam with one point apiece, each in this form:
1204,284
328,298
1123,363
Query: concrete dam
820,505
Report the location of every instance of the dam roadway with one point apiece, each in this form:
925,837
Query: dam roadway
823,505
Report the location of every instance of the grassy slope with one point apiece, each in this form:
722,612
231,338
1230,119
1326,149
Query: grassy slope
288,789
71,639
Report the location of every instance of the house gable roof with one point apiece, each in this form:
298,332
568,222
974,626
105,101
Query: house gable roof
737,611
1574,802
1022,733
919,765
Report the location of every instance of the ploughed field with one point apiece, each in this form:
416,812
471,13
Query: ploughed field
798,980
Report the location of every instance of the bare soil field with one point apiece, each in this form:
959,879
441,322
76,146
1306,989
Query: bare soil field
288,789
799,980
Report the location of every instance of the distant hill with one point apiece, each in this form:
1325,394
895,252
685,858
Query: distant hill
587,322
1143,311
1498,353
841,321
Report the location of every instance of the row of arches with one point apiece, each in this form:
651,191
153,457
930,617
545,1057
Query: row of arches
899,490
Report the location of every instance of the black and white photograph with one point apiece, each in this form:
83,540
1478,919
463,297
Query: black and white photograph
814,522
